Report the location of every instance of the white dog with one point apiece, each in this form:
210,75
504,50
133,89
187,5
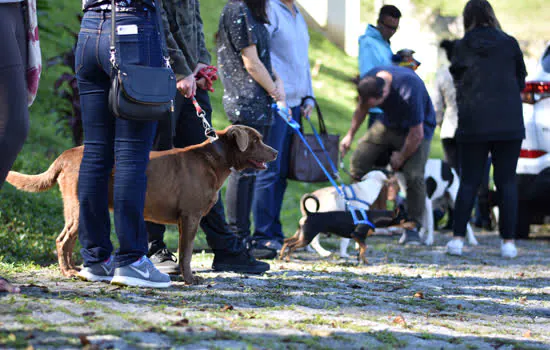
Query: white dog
440,178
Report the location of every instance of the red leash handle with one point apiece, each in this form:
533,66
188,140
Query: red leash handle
209,74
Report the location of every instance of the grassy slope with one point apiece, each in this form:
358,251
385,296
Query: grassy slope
29,222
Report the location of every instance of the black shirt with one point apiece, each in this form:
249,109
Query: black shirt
244,100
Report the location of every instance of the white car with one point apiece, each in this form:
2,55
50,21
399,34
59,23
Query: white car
534,163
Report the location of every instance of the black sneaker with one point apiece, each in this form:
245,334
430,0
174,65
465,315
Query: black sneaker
260,251
165,262
242,262
411,237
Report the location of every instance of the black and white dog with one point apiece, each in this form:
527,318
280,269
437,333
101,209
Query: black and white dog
441,180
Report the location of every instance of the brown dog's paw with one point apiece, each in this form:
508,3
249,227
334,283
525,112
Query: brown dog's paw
70,272
193,280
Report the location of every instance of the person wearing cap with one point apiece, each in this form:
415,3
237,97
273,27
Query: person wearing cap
375,49
401,137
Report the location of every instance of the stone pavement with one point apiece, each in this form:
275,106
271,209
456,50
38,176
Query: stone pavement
408,297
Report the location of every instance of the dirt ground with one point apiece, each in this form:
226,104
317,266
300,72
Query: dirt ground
407,297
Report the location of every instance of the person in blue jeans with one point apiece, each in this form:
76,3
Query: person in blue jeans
111,142
251,85
289,55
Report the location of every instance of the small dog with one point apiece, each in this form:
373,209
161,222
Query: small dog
340,223
440,179
327,199
182,186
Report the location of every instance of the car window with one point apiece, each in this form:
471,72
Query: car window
546,60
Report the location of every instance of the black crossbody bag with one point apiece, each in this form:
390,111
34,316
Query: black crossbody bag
139,92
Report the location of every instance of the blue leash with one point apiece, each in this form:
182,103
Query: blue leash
354,210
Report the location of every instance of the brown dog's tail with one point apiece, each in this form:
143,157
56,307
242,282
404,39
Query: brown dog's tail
39,182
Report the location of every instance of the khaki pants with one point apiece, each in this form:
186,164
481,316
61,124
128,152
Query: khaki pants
374,151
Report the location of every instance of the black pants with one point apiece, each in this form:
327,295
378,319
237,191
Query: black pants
189,131
450,150
14,114
473,162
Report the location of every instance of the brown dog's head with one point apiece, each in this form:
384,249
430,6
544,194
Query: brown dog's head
247,148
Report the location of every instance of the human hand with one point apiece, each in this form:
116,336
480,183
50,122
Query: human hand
278,94
397,160
202,84
345,144
306,111
187,86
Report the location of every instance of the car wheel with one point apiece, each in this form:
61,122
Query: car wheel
524,220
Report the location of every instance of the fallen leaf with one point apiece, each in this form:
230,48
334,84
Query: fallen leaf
84,340
181,323
209,286
400,320
521,274
523,300
419,295
527,334
88,314
282,267
29,336
202,309
227,308
459,306
184,302
30,347
355,286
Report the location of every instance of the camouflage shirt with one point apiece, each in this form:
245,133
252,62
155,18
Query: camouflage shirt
184,35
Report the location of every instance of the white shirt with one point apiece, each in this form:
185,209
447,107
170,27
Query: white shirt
446,110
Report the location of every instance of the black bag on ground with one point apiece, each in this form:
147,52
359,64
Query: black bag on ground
303,166
138,92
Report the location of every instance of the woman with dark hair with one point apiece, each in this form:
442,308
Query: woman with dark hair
250,86
489,74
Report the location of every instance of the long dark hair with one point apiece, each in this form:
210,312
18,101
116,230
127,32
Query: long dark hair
479,13
258,9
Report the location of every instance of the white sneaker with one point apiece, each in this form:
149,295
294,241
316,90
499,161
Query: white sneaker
454,246
508,250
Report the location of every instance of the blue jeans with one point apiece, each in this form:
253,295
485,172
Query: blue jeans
271,184
110,141
239,194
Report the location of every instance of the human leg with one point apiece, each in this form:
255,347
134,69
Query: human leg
472,159
271,184
14,114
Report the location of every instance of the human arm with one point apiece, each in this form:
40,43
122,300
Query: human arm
521,71
259,73
356,120
186,79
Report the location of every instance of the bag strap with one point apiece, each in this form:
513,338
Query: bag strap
322,127
160,28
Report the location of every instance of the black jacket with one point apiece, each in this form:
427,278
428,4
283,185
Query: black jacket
489,74
91,3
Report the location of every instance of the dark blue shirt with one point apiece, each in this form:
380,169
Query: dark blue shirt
244,100
408,103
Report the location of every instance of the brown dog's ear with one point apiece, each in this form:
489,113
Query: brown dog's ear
241,137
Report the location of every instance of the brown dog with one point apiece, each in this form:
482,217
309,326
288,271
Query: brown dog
182,186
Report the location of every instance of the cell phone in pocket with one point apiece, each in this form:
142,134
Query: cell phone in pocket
128,29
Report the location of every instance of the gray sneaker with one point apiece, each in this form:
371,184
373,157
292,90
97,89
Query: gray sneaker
142,274
103,271
410,237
